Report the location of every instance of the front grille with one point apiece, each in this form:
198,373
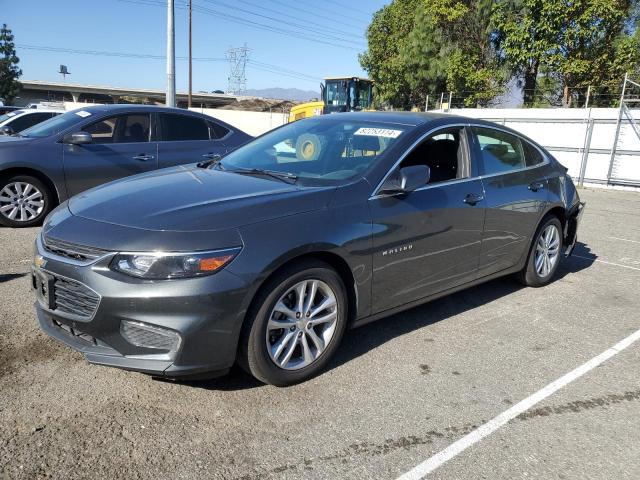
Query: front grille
74,251
74,298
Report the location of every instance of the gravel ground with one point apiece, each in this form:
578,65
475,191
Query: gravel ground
399,391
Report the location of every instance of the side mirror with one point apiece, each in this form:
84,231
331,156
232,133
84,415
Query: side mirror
7,130
77,138
407,179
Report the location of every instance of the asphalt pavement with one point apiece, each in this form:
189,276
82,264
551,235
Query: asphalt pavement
401,390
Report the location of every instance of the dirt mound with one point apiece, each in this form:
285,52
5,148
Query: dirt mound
261,105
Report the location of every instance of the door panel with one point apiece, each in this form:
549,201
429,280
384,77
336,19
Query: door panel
186,139
516,195
120,148
425,242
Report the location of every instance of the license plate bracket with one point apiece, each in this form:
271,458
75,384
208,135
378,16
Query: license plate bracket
43,285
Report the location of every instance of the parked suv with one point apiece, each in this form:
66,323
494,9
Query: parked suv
54,160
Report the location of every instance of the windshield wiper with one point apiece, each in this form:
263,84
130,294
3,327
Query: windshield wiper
286,177
212,161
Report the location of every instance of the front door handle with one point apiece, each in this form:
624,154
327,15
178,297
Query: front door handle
473,198
210,155
143,157
535,186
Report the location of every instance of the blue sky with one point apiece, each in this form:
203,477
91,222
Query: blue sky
139,27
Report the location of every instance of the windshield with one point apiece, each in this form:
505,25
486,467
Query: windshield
319,151
54,125
336,92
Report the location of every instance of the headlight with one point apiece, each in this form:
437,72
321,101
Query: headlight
160,265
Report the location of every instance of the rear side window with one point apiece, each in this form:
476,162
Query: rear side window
217,131
501,152
177,128
532,155
120,129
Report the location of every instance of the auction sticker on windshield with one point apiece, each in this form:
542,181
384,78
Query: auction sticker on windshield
378,132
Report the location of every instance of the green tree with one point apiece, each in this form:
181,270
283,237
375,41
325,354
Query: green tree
418,47
573,43
465,56
387,36
9,71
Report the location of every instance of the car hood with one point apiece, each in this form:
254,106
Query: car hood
188,198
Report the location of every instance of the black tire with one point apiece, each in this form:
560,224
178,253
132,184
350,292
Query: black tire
253,355
47,198
529,275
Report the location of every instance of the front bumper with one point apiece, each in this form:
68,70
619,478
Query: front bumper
204,312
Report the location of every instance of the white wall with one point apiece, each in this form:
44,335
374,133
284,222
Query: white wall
253,123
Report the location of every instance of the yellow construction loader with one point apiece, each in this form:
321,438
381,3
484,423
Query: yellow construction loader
341,94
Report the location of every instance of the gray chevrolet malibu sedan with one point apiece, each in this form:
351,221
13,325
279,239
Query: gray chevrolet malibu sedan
49,162
265,256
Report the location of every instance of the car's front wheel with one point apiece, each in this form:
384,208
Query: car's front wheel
545,254
24,201
296,324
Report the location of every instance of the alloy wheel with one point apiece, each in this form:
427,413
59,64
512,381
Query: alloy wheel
547,251
301,324
21,201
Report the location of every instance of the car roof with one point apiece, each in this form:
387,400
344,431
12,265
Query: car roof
120,107
22,111
414,119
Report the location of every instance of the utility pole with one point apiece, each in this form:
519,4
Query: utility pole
171,57
190,59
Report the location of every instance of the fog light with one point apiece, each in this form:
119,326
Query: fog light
147,336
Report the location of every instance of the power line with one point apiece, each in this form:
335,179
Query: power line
317,15
347,7
306,20
279,21
251,63
250,23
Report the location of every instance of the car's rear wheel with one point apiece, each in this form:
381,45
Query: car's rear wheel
296,324
545,254
24,201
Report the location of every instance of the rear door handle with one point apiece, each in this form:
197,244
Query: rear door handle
535,186
473,198
143,157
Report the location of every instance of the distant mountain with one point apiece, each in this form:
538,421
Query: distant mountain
294,94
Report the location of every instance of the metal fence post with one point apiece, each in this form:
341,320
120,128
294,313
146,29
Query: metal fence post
585,152
617,135
426,103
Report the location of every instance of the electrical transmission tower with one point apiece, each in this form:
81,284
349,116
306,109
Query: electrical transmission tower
237,65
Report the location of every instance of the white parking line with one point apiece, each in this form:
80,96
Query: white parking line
624,239
608,263
491,426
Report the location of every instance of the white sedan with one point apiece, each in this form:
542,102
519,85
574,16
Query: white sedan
16,121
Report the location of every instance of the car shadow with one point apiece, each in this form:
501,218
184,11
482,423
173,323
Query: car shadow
6,277
359,341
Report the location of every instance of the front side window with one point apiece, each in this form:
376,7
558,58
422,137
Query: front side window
120,129
176,128
444,153
501,152
319,151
